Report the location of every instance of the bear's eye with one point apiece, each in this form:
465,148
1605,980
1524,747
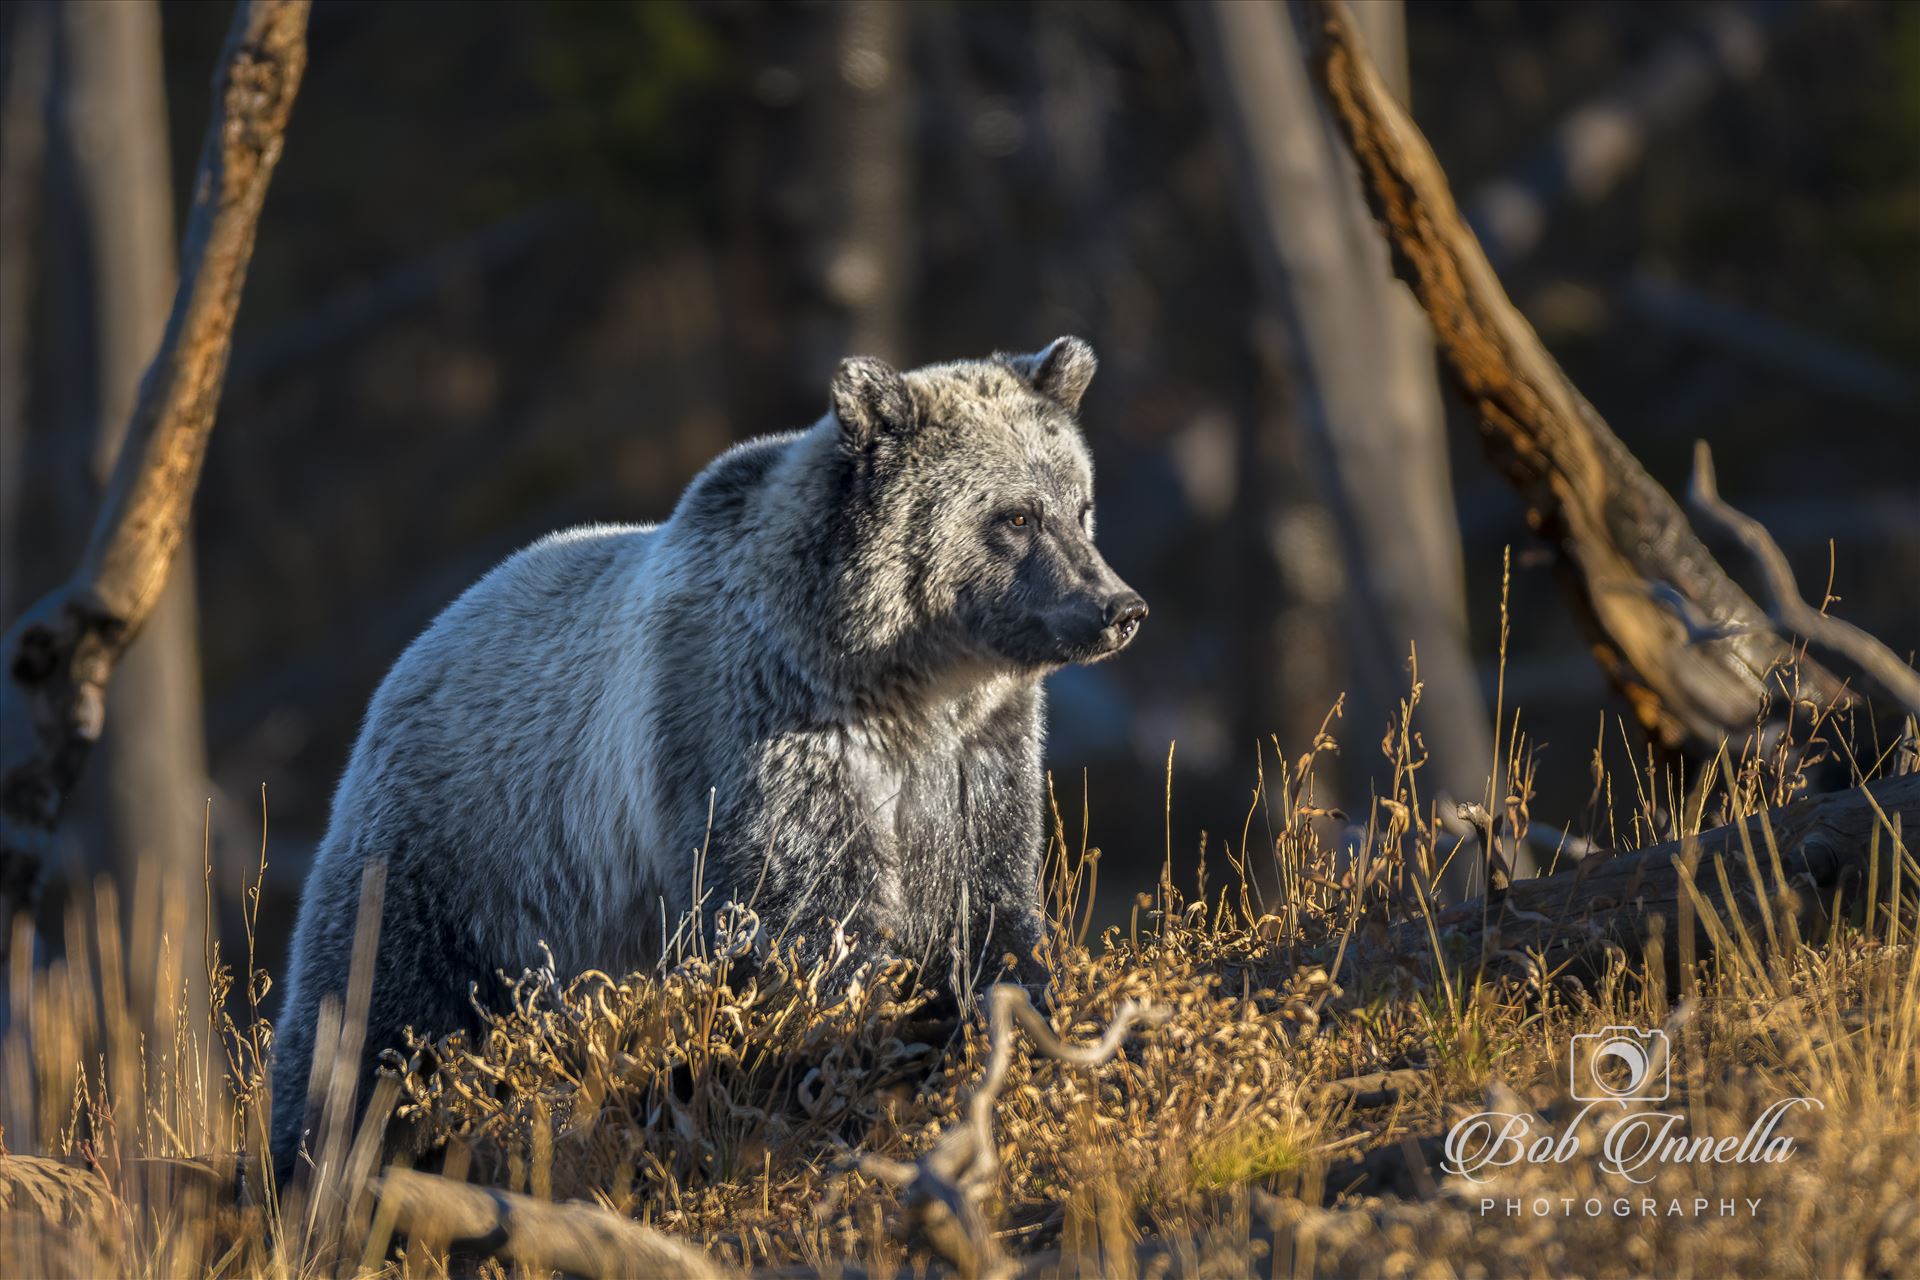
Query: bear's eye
1020,520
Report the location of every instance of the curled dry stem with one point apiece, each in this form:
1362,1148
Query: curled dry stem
583,1239
1786,607
945,1188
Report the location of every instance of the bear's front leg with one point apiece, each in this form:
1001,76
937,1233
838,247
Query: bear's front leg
1005,824
815,856
1015,949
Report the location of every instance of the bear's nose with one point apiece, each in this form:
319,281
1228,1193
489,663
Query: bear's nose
1127,609
1125,612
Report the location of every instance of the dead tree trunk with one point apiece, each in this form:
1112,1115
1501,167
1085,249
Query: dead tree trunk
116,212
867,260
1364,391
62,653
818,175
28,30
1623,543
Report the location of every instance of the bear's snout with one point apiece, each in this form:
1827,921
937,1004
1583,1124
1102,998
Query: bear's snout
1097,628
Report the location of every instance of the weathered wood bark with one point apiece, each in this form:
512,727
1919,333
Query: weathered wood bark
1619,534
62,653
1828,844
1363,389
112,214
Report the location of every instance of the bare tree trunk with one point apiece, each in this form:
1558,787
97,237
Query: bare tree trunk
28,30
61,655
27,33
869,261
818,175
1365,393
116,209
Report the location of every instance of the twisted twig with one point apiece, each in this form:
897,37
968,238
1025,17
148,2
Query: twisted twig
945,1187
1787,609
583,1239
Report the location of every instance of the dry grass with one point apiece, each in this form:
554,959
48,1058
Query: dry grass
728,1100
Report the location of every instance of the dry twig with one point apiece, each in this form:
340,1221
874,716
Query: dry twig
1786,607
945,1187
62,652
580,1239
1376,1088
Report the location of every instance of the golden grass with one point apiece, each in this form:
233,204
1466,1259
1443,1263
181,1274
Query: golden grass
729,1108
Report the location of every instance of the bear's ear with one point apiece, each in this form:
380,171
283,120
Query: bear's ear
1061,371
870,398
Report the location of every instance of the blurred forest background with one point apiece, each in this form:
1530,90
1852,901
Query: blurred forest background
527,265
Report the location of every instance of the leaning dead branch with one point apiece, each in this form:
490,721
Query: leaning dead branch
62,652
945,1188
1587,496
1786,607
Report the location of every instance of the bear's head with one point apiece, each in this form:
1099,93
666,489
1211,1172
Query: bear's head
976,480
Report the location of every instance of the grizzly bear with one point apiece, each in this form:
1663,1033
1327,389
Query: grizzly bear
816,686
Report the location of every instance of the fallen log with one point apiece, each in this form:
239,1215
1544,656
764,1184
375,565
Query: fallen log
1769,879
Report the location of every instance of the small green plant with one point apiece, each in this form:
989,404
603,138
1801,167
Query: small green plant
1247,1155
